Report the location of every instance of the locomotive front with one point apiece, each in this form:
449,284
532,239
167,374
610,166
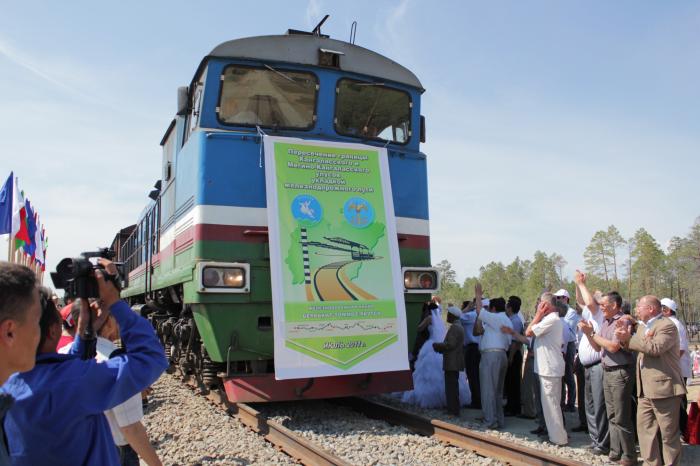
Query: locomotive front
198,260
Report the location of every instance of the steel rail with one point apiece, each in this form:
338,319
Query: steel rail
480,443
291,443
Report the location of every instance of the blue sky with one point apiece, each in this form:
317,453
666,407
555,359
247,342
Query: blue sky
546,120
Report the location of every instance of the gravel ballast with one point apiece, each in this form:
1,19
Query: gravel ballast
188,430
363,441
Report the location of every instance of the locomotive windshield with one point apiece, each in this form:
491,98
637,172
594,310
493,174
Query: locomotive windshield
372,111
267,97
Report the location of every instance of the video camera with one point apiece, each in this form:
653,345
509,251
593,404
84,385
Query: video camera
77,275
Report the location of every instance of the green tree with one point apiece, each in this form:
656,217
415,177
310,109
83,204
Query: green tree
450,291
597,256
614,242
648,264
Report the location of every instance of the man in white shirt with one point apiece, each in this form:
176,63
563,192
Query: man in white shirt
590,359
549,365
492,368
668,309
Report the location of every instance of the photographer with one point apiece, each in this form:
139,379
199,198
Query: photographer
58,415
19,332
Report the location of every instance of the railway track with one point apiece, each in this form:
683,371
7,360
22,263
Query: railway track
309,453
481,444
294,445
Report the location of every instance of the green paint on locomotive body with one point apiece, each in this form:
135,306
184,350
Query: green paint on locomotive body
238,326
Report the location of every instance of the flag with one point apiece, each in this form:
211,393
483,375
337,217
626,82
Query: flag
39,244
6,198
29,245
19,217
44,244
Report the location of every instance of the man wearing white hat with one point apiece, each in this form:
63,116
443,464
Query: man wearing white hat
668,309
452,358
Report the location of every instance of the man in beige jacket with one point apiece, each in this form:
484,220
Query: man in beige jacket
659,383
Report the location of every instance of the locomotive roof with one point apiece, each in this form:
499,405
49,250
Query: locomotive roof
303,49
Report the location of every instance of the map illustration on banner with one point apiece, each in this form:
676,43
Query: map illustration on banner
337,301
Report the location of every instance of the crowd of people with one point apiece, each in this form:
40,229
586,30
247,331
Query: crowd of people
624,376
65,406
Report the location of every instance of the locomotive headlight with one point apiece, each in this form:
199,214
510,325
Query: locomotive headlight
234,277
211,277
420,280
217,277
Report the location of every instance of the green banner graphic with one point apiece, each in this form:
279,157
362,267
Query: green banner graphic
335,264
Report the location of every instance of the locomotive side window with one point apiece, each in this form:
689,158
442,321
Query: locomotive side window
372,111
267,97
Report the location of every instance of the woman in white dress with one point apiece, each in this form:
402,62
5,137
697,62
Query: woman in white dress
428,377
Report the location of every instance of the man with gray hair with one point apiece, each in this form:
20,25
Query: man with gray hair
549,365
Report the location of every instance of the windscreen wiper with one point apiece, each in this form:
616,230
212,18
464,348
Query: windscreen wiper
285,76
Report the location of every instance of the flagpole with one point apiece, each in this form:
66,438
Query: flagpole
9,248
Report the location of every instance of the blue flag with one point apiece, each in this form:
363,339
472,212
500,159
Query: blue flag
30,247
6,196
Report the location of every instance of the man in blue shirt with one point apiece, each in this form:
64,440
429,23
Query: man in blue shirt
57,417
20,312
472,356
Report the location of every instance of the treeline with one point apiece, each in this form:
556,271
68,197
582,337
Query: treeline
633,266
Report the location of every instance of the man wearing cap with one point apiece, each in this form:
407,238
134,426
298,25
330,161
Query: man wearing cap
452,358
571,318
493,347
668,309
590,359
659,382
471,352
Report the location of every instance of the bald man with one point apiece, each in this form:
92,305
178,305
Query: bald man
659,382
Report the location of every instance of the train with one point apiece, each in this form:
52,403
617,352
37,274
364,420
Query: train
197,261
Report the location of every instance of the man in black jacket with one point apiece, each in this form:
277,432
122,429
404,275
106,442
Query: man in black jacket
452,358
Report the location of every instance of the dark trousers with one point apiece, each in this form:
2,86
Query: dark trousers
581,391
684,412
472,358
568,384
452,392
127,456
617,388
512,384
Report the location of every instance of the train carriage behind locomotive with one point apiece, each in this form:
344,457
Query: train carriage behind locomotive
197,262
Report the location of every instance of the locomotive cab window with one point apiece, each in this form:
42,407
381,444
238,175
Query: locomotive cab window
372,111
267,97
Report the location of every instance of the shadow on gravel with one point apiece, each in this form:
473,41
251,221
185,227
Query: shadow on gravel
152,405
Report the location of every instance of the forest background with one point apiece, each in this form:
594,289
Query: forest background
634,267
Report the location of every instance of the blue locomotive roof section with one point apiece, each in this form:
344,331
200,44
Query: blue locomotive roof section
304,50
229,171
